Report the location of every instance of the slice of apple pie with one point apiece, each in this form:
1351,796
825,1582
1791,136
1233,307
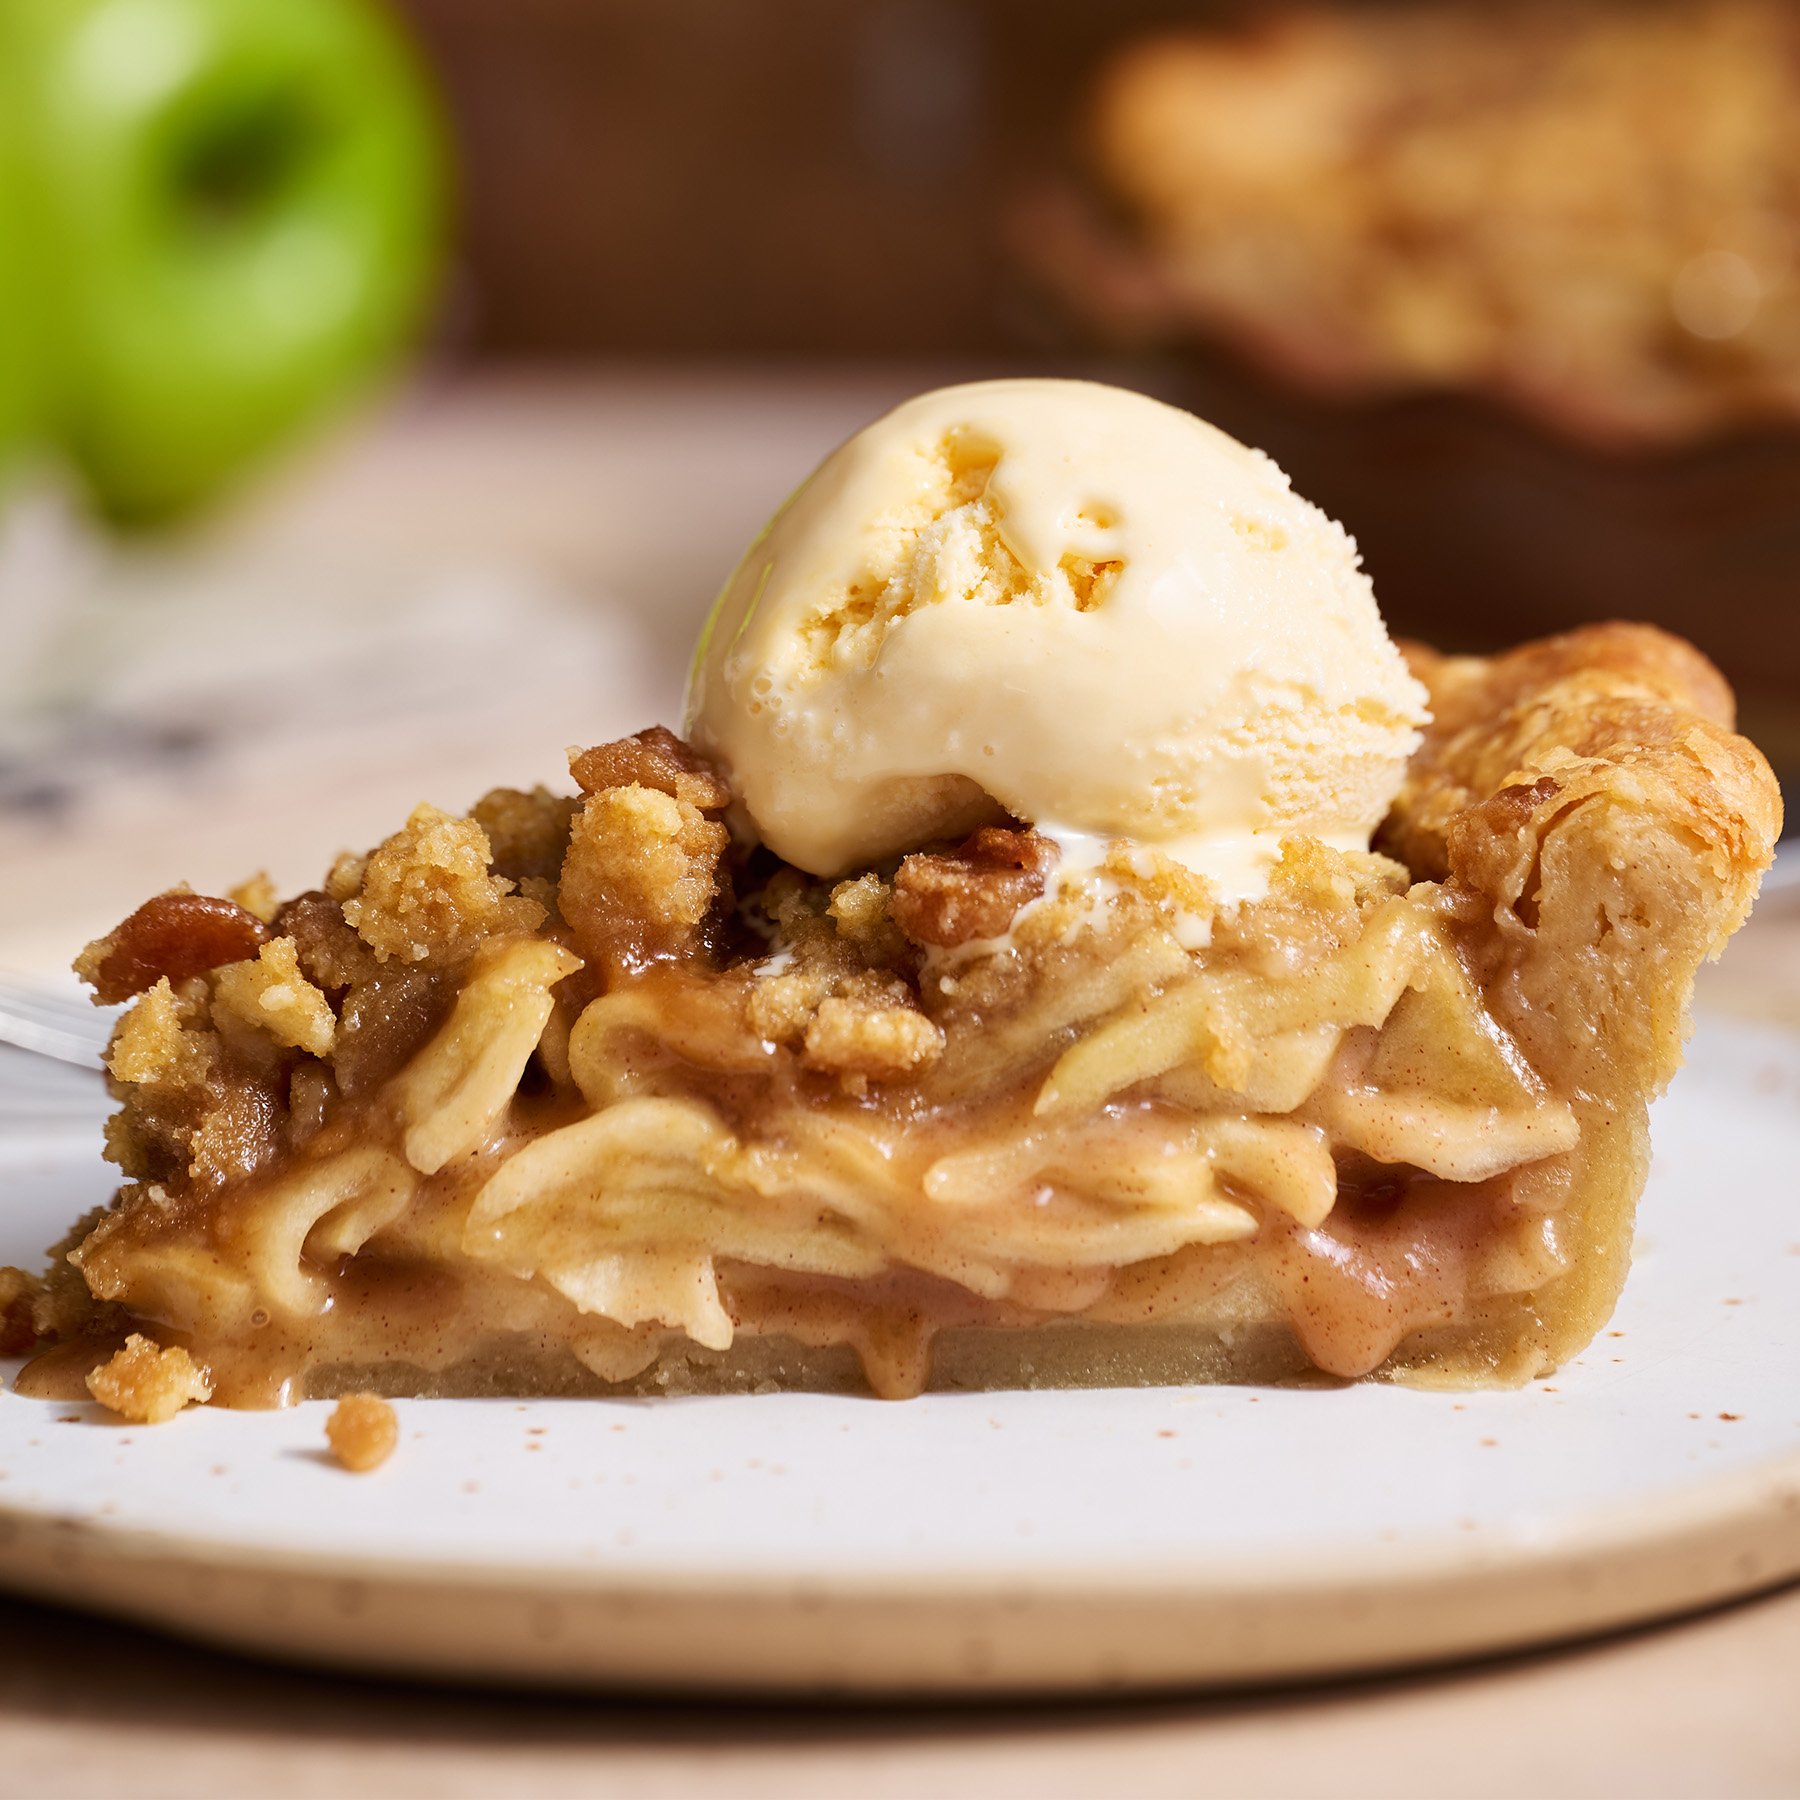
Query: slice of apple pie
596,1092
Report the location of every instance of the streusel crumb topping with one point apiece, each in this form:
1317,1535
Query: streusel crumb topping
362,1432
148,1384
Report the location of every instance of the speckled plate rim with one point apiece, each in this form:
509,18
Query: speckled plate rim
1202,1621
1203,1616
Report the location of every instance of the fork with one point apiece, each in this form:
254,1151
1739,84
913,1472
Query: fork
49,1022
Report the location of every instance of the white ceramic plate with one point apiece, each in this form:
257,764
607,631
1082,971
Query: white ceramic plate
1019,1541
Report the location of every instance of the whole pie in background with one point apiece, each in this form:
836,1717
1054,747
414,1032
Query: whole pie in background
997,987
1592,211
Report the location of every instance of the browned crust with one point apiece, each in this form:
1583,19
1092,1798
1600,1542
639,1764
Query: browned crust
1586,799
1602,831
1606,707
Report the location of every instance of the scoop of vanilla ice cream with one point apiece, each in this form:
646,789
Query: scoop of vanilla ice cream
1065,602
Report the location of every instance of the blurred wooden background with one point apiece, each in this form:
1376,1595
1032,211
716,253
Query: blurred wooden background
711,177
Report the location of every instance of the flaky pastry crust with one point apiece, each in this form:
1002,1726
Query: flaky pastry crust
1603,830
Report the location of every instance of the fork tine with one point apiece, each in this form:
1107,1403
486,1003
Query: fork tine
44,999
51,1022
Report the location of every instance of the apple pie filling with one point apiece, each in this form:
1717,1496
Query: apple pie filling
576,1092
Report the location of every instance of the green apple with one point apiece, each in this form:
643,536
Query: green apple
245,203
23,368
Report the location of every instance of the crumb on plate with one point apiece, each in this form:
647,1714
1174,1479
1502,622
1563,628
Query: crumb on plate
362,1432
148,1383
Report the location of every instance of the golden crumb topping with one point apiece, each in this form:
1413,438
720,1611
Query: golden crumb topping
862,911
362,1432
258,896
870,1031
642,875
528,833
429,893
842,989
159,1043
147,1384
270,994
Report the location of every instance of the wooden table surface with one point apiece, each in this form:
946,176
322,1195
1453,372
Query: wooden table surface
635,492
1701,1709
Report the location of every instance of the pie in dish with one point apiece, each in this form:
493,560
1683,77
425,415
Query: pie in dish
598,1093
1585,212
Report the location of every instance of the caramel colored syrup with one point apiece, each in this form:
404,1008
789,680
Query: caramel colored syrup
61,1372
1387,1262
